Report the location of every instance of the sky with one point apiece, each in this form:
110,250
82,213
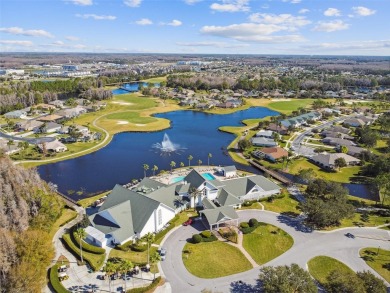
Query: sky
299,27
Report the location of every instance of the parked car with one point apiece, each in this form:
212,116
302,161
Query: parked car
349,235
188,222
163,253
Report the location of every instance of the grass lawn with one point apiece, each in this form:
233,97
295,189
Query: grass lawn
133,256
356,221
205,260
285,204
67,215
156,79
131,117
380,263
343,176
255,205
320,267
289,106
266,243
86,202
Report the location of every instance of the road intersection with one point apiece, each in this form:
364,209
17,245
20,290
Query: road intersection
307,244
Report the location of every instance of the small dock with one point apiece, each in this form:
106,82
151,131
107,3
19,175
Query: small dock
273,174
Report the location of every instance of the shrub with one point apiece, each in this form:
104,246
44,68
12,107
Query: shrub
244,225
76,252
248,230
86,246
125,246
55,281
148,288
138,247
196,238
206,234
210,239
247,204
253,222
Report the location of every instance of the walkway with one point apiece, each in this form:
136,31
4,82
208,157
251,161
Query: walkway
273,174
307,244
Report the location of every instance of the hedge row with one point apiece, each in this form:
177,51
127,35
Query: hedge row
125,246
138,247
151,286
86,246
76,251
164,232
55,281
198,238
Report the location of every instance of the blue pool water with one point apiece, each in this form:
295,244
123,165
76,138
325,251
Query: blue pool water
207,176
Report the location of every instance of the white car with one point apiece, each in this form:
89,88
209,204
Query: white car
163,253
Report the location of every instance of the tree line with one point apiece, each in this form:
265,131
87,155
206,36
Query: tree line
28,209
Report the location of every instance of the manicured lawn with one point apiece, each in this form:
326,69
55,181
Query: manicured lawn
133,256
356,221
86,202
289,106
67,215
255,205
343,176
214,259
156,79
320,267
380,263
280,205
266,243
131,117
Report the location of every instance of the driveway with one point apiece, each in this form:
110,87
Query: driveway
307,244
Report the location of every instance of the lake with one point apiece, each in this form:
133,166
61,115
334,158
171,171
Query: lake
122,160
131,87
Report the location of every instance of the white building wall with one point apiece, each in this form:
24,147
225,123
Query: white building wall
152,224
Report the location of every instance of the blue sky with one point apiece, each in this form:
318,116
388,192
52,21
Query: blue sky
331,27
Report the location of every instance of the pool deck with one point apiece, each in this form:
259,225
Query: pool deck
168,178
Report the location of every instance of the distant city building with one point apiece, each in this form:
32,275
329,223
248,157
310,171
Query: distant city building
11,71
70,67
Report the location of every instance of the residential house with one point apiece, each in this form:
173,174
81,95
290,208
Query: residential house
301,119
53,146
327,133
272,154
265,133
327,161
354,122
355,151
337,141
7,148
51,118
18,114
277,128
262,141
72,112
50,127
28,125
339,129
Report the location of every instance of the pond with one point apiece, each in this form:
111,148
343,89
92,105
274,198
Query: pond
194,133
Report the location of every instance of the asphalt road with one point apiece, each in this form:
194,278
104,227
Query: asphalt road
29,140
307,244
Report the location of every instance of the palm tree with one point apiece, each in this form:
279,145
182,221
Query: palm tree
9,143
146,168
194,193
81,234
124,267
154,169
181,164
189,160
199,162
149,239
154,259
110,268
173,165
209,156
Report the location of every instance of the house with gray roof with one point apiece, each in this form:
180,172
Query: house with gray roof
216,216
327,161
301,119
338,141
127,215
263,141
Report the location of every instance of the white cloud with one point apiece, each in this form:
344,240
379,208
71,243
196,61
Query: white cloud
293,1
17,43
72,38
132,3
331,26
96,17
212,44
332,12
174,22
31,33
303,11
58,43
231,6
144,21
81,2
191,2
363,11
252,32
361,45
282,19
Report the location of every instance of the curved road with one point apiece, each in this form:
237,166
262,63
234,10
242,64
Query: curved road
29,140
307,244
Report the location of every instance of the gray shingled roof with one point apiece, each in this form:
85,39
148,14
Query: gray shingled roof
194,178
217,215
226,199
148,185
129,212
208,204
168,196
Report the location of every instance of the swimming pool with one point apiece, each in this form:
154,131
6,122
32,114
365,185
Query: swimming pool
207,176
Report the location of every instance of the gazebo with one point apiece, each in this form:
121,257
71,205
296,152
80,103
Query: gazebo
217,216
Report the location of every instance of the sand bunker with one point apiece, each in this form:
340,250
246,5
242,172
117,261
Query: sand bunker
122,122
122,103
140,124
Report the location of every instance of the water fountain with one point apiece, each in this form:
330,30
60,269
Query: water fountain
167,146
